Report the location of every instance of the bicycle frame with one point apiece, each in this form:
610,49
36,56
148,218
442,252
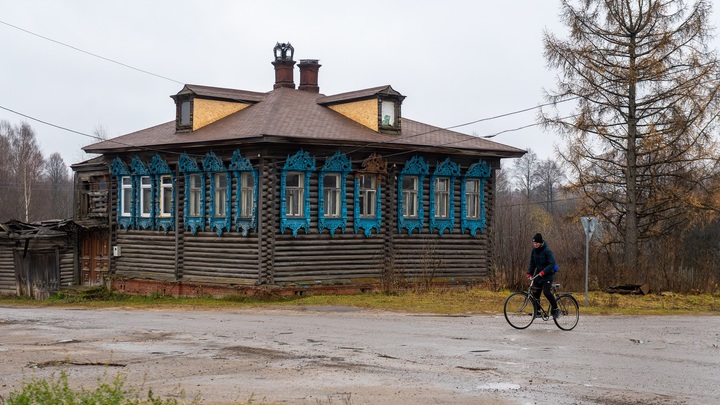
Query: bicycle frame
521,308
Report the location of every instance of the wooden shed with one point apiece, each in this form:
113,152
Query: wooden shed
37,259
294,188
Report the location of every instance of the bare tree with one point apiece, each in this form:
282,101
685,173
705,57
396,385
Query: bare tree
524,174
549,177
640,141
7,200
56,174
27,163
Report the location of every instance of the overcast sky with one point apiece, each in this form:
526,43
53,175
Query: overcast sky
456,61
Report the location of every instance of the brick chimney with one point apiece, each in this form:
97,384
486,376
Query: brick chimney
309,75
284,65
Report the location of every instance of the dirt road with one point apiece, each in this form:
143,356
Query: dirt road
339,355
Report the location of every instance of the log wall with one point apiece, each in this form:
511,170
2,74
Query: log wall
267,257
7,267
146,254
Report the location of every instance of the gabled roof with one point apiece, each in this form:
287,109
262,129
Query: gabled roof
222,93
297,115
357,95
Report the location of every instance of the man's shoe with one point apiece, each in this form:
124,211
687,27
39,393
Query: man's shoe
556,313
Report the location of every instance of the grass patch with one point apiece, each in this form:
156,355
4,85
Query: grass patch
57,390
448,302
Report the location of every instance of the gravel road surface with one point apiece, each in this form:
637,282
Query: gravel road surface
340,355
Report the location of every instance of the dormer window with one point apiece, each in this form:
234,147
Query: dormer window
184,112
387,113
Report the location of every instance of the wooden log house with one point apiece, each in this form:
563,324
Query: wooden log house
294,188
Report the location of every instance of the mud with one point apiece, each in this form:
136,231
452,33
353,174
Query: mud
336,355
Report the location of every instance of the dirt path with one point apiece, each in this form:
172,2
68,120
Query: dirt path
345,356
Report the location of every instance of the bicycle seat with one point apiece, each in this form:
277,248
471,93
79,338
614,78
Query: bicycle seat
556,286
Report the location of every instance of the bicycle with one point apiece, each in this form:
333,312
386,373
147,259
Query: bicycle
521,308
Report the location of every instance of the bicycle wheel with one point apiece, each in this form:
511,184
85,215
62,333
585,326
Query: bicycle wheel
569,312
519,310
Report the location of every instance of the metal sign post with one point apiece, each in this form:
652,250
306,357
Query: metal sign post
589,224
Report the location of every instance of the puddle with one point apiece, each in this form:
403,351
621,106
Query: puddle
499,386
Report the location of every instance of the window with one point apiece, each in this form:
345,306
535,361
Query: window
331,190
410,196
126,196
367,195
166,196
472,204
442,197
145,196
185,113
221,194
247,200
472,198
387,114
194,197
294,194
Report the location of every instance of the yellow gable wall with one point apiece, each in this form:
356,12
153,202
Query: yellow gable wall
208,111
363,112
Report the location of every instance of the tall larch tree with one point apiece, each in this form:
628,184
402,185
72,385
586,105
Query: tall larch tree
640,141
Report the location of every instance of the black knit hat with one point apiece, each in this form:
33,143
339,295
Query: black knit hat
537,238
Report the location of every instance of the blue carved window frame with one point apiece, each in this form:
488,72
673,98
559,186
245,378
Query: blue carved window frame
477,171
189,166
213,166
300,162
374,165
239,165
450,170
159,169
367,224
139,170
416,166
336,164
120,170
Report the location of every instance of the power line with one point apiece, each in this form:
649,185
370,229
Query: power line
166,78
90,53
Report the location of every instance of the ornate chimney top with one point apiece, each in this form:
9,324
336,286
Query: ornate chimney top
284,64
281,51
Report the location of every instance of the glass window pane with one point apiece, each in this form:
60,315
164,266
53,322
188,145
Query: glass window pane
127,200
292,180
194,200
247,187
185,113
472,199
220,194
294,192
367,196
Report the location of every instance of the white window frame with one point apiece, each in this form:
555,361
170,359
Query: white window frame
126,195
145,205
442,197
166,194
221,190
331,197
294,195
472,199
194,195
410,197
367,195
247,195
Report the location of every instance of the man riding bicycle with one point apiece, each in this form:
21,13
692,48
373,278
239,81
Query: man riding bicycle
542,264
